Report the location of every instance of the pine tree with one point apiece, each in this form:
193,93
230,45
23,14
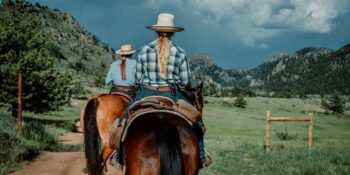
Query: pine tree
236,91
240,102
336,104
25,47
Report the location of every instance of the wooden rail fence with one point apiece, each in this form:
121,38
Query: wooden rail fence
270,119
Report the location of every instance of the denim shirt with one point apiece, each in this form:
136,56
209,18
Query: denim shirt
114,77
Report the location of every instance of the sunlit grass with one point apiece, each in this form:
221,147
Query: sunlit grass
236,137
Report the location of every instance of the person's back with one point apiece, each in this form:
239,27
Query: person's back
153,71
121,74
115,77
162,67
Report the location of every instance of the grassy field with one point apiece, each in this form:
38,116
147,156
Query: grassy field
40,132
236,137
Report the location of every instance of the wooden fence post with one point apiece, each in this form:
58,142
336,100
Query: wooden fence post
270,119
268,115
310,130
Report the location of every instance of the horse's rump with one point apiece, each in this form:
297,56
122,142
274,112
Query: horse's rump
96,118
160,142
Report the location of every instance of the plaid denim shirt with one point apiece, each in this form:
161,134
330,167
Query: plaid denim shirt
147,70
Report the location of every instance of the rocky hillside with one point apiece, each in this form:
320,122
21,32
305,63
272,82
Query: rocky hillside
78,52
307,71
204,69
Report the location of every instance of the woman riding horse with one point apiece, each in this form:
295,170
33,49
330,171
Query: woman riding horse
99,113
162,68
121,74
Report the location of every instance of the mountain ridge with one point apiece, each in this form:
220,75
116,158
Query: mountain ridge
286,71
87,59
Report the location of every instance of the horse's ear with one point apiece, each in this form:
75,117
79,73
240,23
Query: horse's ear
200,88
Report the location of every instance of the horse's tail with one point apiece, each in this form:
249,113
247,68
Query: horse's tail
91,139
168,143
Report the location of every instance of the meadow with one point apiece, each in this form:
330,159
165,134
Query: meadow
235,137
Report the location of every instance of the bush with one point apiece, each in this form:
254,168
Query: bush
7,142
35,131
240,102
227,104
285,136
15,149
335,104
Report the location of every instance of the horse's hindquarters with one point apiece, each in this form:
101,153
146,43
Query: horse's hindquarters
154,134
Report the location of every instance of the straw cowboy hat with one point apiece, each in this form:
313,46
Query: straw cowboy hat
125,50
165,23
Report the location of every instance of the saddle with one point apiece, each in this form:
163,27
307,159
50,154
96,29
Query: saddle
165,103
151,104
123,94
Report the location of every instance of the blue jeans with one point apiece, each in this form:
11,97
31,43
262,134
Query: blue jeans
144,92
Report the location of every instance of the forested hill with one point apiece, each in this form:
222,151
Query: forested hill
307,71
86,58
75,50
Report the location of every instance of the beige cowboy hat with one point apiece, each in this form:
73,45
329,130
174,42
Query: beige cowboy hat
165,23
125,50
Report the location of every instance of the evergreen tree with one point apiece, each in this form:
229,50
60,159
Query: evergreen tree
336,104
236,91
25,47
240,102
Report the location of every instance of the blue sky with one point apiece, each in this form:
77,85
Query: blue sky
237,34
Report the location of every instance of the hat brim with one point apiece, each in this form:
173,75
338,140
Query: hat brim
165,28
120,52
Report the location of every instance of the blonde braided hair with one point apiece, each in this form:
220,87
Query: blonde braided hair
163,49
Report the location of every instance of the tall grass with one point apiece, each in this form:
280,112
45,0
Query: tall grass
235,137
15,148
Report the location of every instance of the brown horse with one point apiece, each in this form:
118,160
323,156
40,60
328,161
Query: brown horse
96,119
156,143
163,143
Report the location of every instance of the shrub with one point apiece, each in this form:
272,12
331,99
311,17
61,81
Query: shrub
227,104
285,136
35,131
240,102
335,104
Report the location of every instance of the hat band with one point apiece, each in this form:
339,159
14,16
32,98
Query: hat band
125,50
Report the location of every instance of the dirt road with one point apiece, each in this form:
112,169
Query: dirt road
61,163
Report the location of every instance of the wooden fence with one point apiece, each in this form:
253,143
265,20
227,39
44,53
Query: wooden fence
270,119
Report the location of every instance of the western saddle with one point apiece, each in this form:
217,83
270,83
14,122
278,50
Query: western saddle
147,105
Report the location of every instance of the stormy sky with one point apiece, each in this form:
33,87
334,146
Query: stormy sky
237,34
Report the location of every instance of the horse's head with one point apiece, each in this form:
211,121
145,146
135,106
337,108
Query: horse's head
195,95
198,98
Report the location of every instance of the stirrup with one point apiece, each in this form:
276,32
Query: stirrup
115,163
208,159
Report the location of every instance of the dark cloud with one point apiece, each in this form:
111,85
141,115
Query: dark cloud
234,39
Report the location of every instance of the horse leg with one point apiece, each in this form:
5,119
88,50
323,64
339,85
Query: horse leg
106,152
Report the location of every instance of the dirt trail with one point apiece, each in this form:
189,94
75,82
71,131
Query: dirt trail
61,163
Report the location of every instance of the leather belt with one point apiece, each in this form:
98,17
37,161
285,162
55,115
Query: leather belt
124,88
164,88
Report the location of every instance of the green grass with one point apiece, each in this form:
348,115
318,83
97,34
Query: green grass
236,136
39,132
